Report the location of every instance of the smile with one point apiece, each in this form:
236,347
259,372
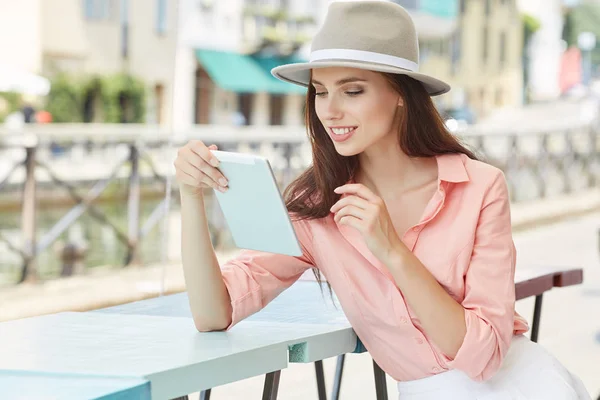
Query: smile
341,134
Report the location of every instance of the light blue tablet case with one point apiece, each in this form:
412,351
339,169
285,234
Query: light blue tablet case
253,206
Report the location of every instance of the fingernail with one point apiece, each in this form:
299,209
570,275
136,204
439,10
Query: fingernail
223,181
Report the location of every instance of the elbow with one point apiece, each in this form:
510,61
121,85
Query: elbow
485,375
487,371
203,325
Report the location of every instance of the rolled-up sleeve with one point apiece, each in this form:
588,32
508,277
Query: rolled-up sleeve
489,288
254,278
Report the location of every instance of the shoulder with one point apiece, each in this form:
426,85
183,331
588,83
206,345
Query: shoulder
480,172
488,181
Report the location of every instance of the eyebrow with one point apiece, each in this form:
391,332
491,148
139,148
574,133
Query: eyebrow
341,81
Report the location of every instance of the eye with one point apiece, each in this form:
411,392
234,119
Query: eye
320,94
354,92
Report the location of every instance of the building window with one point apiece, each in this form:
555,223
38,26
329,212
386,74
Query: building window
161,17
502,49
96,10
124,28
159,98
463,6
488,7
484,42
456,51
276,106
408,4
499,97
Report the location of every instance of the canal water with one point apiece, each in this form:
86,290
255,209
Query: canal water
103,247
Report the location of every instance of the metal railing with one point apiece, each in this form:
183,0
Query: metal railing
536,164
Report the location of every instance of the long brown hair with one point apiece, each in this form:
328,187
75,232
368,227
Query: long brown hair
422,133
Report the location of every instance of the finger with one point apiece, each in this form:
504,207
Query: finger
212,172
203,151
350,200
193,180
359,190
187,179
190,170
352,211
351,221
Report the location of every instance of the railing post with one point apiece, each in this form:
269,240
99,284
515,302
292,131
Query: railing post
133,207
567,163
28,226
592,179
288,153
512,165
543,166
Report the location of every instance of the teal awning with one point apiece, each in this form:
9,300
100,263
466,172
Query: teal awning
267,63
244,74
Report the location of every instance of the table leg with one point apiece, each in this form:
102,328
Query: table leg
537,312
271,385
337,379
380,384
205,394
320,380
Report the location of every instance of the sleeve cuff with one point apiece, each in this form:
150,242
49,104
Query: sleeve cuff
243,302
477,356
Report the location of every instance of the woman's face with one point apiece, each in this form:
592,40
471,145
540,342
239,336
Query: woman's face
359,109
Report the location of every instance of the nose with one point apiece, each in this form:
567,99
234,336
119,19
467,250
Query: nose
331,108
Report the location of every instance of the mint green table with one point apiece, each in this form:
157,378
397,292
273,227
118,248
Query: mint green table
302,303
166,351
28,386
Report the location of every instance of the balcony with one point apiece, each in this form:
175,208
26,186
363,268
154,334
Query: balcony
434,19
275,29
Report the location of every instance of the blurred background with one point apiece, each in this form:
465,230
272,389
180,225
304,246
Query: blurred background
96,96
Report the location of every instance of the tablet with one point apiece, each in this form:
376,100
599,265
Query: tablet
253,207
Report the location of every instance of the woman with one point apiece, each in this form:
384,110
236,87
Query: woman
410,230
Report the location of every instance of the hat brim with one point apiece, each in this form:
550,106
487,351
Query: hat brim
299,73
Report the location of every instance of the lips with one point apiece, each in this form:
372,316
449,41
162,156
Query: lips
342,137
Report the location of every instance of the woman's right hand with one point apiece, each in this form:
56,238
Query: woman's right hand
196,169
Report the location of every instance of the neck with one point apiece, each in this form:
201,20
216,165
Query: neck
388,171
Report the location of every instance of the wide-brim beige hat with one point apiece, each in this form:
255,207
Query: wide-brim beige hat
375,35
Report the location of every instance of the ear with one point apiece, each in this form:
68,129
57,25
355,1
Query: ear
400,102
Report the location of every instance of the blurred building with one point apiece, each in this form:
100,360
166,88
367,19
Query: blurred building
212,59
478,54
224,56
545,49
94,37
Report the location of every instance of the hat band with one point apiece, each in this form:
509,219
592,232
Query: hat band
361,55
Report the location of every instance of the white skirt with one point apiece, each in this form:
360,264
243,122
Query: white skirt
528,372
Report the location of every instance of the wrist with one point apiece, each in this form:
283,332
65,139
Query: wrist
397,256
188,192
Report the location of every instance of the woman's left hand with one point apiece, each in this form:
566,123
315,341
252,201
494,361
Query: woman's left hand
367,212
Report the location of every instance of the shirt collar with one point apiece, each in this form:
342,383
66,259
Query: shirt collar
451,168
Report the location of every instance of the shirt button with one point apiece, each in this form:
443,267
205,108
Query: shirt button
403,320
419,340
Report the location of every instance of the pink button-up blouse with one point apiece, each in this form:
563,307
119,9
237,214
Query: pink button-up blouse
463,238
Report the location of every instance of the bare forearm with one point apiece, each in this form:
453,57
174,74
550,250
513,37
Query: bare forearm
209,300
441,316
